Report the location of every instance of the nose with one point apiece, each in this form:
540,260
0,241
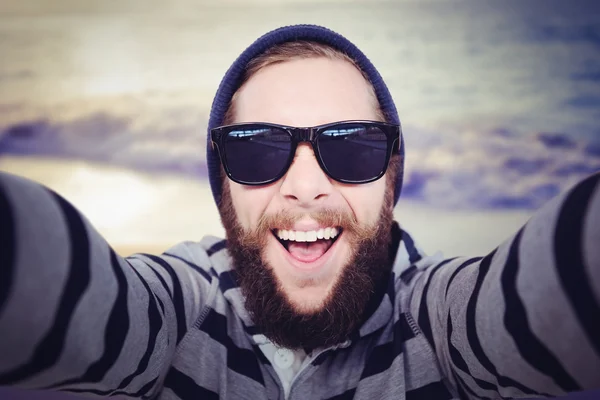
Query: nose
305,184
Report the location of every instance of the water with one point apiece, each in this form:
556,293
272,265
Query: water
499,100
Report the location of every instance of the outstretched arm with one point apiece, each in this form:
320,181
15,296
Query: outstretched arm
524,321
74,315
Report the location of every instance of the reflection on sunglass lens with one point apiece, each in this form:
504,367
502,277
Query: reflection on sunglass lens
353,152
258,153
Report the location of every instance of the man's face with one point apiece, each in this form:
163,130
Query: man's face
307,92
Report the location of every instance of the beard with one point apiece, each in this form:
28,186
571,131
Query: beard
358,286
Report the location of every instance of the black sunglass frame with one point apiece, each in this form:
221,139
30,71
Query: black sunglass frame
310,135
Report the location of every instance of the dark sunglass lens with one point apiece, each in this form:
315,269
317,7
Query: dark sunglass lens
257,154
353,152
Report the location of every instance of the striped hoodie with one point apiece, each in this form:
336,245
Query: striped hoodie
522,321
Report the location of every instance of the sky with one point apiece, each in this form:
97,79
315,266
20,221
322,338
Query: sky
499,101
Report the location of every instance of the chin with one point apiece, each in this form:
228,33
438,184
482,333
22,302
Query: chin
307,301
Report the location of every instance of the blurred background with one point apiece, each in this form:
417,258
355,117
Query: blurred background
107,103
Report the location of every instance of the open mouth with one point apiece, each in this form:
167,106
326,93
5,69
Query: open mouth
308,246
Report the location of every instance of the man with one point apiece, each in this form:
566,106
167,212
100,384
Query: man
317,293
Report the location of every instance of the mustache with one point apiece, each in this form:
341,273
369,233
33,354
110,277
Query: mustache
257,238
327,217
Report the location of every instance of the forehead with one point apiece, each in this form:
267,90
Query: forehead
306,92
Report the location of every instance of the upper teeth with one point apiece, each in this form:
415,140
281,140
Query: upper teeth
310,236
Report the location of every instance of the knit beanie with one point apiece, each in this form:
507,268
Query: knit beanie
233,79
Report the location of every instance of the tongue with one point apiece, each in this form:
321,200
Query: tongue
308,251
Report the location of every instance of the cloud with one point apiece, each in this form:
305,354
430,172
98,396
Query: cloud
591,76
504,132
511,202
588,33
577,169
31,137
456,168
159,144
584,101
16,75
592,149
526,166
556,140
533,199
414,184
498,168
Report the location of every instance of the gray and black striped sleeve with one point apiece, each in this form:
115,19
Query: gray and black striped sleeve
523,321
74,315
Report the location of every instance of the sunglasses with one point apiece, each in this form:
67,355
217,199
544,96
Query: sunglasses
351,152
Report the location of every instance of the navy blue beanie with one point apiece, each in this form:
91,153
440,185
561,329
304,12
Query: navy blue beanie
234,76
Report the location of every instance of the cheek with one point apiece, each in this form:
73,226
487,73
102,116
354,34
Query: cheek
365,200
251,202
